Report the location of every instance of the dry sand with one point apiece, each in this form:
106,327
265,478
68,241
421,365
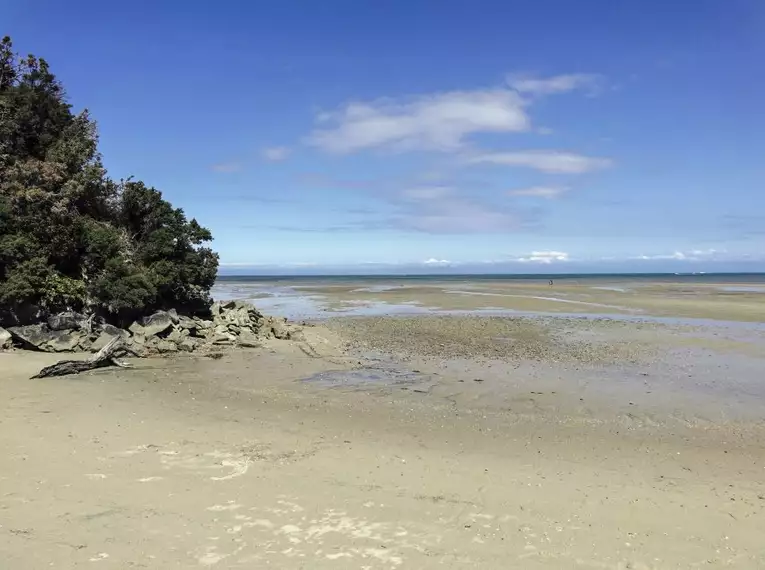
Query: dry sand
419,444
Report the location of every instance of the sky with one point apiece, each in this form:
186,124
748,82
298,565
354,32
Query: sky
431,135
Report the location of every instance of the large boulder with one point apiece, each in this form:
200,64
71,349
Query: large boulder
108,332
187,323
31,336
68,320
6,339
63,341
157,323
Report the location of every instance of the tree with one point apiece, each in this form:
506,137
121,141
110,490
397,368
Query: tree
72,238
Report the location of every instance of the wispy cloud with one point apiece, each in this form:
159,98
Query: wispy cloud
275,153
546,192
551,161
439,122
444,210
227,167
591,83
691,255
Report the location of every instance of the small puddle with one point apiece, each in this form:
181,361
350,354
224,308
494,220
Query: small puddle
366,378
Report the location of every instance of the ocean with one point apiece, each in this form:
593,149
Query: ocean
700,278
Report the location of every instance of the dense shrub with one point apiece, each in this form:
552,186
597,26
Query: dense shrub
72,238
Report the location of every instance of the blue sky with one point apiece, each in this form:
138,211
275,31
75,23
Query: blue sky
436,135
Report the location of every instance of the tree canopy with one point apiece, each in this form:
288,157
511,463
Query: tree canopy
71,237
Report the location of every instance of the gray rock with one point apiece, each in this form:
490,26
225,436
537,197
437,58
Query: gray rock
248,340
279,328
215,310
101,341
187,323
137,329
173,316
114,331
138,339
68,320
203,324
228,305
63,341
175,336
297,335
166,346
234,328
223,338
6,339
157,323
187,345
31,336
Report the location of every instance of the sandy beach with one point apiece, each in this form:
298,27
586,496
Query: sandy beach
407,441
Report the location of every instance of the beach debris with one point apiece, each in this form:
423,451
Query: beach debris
104,357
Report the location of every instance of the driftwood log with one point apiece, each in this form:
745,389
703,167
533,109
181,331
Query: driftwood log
104,357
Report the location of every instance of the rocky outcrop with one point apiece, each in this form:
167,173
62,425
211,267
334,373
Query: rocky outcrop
6,339
234,323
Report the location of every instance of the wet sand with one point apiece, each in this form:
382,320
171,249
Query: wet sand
428,442
729,301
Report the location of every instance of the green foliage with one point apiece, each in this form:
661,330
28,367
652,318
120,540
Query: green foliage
70,237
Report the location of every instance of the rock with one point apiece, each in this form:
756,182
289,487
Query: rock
63,341
175,336
6,339
223,338
173,316
165,346
68,320
187,345
31,336
108,332
157,323
187,323
203,324
234,328
215,310
111,330
279,329
248,340
138,339
228,305
137,329
297,335
101,341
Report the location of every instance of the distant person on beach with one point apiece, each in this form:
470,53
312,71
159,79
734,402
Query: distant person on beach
551,282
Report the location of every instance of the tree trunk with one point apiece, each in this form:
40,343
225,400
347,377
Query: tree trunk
104,357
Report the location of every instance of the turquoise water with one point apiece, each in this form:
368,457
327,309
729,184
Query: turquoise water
700,278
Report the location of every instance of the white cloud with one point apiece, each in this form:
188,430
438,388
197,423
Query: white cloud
529,84
545,257
547,192
436,262
552,161
275,153
439,122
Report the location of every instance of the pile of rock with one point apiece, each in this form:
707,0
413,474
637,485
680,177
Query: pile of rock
233,323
